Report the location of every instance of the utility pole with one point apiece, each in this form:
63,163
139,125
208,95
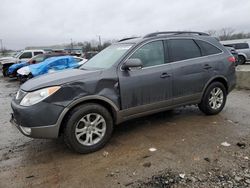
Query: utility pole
71,44
100,42
1,40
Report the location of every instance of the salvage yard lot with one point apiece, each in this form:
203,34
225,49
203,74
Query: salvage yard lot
186,142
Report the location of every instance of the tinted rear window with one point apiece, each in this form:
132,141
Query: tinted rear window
36,53
207,49
181,49
241,46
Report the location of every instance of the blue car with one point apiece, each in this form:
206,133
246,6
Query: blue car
12,70
51,64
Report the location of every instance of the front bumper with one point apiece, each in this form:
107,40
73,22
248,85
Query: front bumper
12,75
50,131
42,120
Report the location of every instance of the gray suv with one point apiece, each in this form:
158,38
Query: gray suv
129,79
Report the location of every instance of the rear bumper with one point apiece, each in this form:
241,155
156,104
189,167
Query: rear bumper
232,82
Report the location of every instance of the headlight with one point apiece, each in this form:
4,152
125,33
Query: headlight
24,70
37,96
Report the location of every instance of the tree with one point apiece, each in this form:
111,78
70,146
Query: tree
226,33
212,32
86,47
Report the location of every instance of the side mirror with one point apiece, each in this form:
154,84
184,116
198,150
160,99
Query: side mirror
132,63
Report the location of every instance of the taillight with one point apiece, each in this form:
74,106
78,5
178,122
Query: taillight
231,59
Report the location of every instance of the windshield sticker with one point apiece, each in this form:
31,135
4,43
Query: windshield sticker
124,48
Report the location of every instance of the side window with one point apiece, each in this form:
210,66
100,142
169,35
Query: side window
241,46
150,54
181,49
26,55
207,49
39,59
36,53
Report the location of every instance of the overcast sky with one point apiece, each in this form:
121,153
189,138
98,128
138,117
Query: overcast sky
45,22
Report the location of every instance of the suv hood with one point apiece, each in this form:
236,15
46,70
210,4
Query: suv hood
8,60
58,78
4,58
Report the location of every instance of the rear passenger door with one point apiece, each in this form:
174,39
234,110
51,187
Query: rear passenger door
190,71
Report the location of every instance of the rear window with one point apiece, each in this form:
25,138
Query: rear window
207,49
182,49
36,53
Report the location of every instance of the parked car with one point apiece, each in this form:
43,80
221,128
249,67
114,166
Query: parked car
90,54
49,65
126,80
234,53
25,55
242,48
12,70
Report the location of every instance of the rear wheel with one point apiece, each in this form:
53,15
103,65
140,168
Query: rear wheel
214,99
88,128
241,60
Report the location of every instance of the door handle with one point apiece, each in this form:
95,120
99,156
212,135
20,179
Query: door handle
165,75
207,66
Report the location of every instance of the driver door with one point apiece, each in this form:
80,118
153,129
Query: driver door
148,88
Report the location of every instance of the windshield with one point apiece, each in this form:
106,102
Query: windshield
17,54
107,57
38,58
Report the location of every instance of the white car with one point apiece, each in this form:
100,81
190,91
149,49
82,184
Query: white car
242,46
24,55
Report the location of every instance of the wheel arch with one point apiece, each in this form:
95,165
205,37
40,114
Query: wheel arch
103,101
220,79
242,54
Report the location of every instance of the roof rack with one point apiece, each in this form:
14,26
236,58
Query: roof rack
127,39
175,33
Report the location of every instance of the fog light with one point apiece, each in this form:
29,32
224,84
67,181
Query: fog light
26,130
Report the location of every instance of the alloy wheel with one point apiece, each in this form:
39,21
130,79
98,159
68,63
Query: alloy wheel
90,129
216,98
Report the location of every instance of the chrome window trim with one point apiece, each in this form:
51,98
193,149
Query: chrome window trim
162,39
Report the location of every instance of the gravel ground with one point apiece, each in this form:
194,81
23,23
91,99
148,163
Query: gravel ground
179,148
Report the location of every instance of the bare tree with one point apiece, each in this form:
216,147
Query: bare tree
226,33
212,32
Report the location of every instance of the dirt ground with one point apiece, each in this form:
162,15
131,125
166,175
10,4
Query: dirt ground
188,151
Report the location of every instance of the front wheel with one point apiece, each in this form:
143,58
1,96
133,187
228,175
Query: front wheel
214,99
88,128
5,71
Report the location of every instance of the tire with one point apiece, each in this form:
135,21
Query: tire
241,60
5,71
210,104
76,120
23,79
